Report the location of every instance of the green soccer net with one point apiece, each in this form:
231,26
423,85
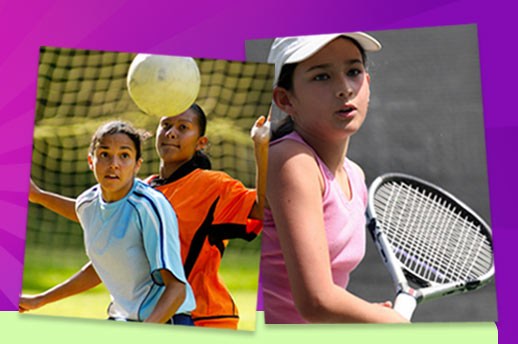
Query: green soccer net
80,89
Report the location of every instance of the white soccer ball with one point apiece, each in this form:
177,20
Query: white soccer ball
163,85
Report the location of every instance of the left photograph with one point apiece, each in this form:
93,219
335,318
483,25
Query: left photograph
144,168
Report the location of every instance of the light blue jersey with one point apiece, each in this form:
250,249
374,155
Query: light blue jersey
128,242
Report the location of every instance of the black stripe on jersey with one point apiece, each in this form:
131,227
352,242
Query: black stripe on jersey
231,231
216,317
215,235
199,239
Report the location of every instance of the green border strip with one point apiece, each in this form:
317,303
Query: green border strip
45,329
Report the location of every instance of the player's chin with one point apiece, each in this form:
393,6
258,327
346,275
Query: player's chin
110,184
347,129
167,153
351,127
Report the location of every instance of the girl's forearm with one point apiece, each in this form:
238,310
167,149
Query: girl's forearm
83,280
261,158
261,136
59,204
339,306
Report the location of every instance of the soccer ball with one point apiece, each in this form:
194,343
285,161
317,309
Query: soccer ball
163,85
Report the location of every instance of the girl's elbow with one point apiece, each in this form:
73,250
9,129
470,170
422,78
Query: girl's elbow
176,290
313,308
181,292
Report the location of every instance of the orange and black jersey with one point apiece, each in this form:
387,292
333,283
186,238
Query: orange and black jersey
211,208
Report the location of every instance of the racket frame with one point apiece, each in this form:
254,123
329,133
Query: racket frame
400,275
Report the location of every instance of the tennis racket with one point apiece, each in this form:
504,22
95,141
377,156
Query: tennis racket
432,244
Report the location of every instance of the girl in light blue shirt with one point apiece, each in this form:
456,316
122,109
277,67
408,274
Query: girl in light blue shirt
130,236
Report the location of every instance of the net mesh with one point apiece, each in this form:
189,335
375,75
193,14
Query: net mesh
431,236
78,90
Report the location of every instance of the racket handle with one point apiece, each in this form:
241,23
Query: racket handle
405,305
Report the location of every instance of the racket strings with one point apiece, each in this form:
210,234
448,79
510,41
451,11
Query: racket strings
423,263
430,236
435,226
412,242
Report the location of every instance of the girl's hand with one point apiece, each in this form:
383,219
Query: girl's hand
29,302
260,132
392,315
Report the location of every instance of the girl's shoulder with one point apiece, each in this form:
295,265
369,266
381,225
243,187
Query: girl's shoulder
210,176
294,160
146,199
290,152
290,145
144,190
217,181
87,196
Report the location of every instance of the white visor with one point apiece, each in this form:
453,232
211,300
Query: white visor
286,50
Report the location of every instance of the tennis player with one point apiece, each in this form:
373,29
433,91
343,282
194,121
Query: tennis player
314,223
130,236
211,208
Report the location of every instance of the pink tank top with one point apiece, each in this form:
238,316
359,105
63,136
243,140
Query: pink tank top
345,231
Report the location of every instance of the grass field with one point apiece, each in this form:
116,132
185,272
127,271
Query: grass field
44,269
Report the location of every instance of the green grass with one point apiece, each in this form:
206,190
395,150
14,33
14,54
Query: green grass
43,269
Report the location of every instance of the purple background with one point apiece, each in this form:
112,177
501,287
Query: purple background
219,30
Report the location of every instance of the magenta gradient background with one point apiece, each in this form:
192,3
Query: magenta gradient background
218,29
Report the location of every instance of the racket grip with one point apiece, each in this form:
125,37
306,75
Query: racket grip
405,305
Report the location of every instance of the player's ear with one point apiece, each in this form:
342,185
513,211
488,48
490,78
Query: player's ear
202,142
282,98
90,162
137,165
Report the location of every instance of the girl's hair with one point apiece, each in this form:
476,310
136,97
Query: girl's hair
200,158
119,127
285,81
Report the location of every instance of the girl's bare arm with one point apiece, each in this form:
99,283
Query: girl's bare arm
260,134
294,193
59,204
83,280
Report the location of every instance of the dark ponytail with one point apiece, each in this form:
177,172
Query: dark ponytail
286,125
282,128
200,158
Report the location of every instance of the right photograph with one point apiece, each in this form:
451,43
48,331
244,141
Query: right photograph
377,196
